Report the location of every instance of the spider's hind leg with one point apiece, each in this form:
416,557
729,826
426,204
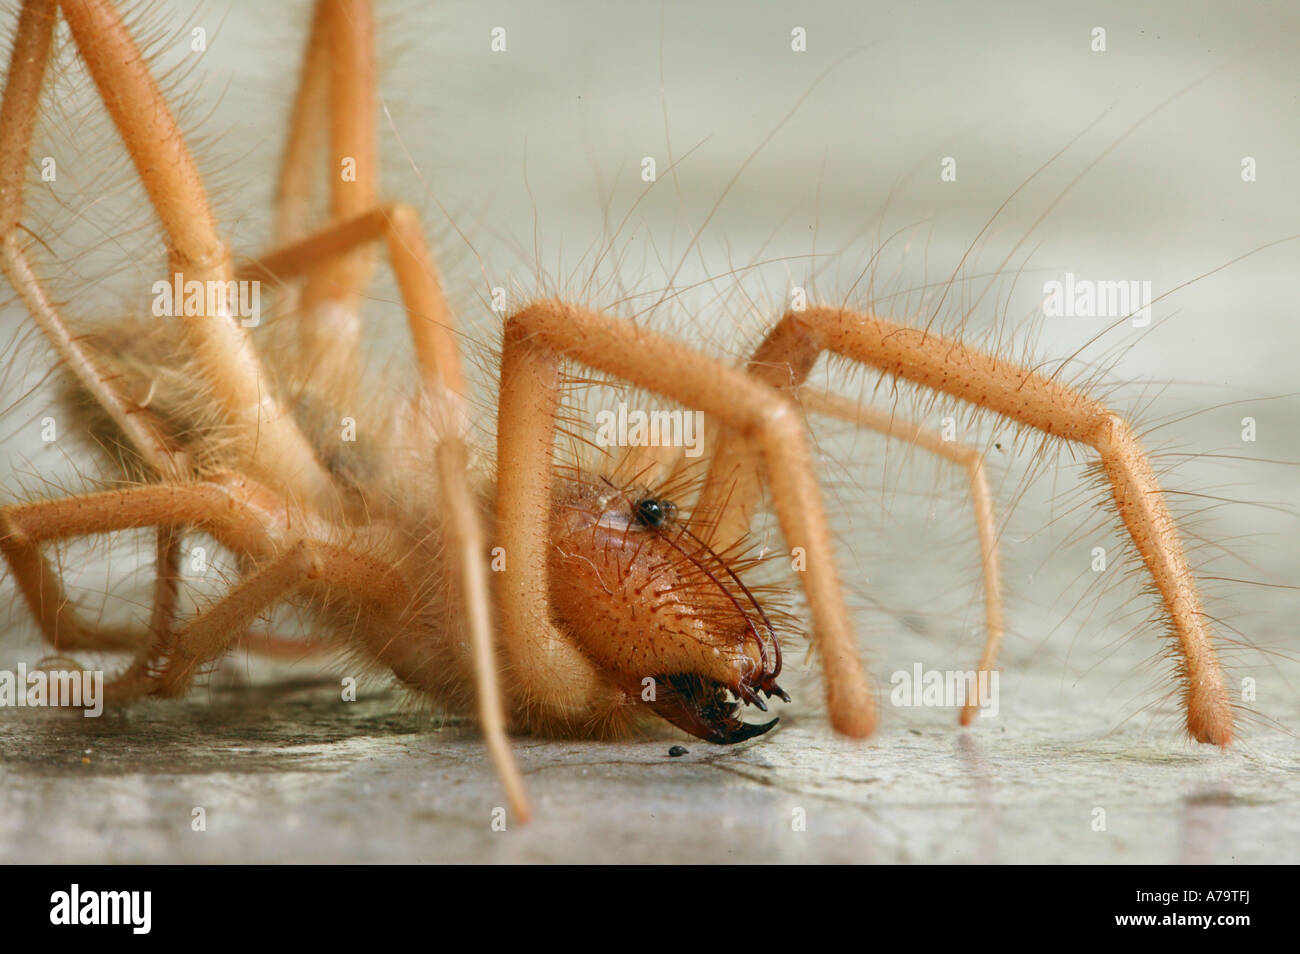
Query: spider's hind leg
18,109
241,516
274,449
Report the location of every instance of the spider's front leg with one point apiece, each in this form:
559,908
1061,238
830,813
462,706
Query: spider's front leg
548,672
733,490
972,461
1028,398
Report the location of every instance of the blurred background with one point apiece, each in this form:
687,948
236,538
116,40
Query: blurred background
1112,155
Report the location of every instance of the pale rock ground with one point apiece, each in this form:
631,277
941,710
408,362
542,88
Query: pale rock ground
288,773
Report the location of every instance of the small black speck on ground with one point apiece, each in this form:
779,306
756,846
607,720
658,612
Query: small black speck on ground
677,751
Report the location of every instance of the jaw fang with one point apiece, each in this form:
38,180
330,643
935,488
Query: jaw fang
700,707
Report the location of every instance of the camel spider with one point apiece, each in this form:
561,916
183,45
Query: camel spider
607,585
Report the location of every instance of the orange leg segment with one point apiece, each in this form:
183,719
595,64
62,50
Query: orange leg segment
1031,399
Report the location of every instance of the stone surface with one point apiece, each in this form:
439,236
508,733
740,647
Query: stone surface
287,772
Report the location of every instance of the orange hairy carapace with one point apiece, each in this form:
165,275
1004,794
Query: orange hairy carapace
662,613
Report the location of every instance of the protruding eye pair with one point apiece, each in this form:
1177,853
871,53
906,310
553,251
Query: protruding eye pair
654,513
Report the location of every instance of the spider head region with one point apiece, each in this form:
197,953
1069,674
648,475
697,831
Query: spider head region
664,615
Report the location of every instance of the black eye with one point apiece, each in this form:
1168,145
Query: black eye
654,513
